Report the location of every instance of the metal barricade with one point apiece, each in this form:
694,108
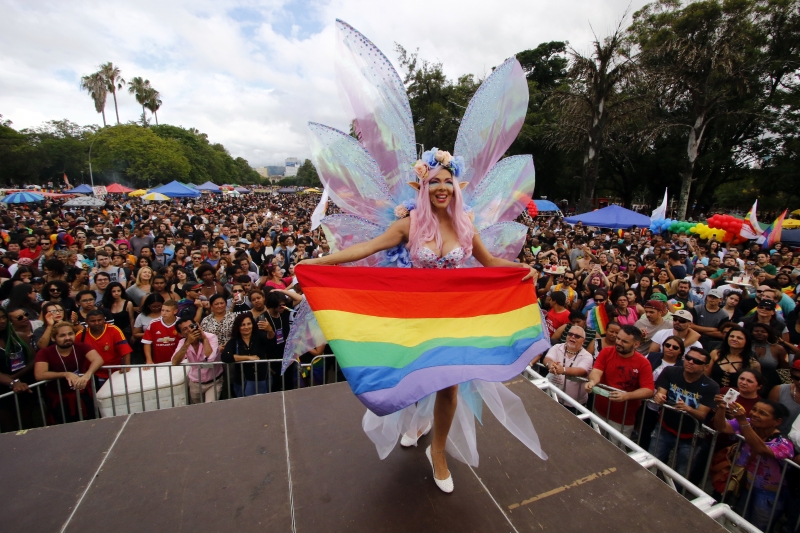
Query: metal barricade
698,466
166,392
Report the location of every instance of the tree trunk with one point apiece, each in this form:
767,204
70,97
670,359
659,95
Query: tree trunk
144,117
116,109
104,118
155,115
687,175
591,161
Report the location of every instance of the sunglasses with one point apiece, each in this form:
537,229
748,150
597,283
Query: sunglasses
679,320
18,318
55,289
694,360
795,377
599,300
574,335
235,291
672,346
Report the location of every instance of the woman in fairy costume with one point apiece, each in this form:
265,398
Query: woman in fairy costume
460,215
439,234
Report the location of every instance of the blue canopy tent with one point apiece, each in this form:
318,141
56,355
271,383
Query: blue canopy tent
545,205
176,189
791,237
208,186
613,217
80,189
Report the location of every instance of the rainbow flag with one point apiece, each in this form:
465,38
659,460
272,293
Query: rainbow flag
772,234
400,334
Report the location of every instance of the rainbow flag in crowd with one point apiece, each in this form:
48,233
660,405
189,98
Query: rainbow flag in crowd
773,233
597,319
401,334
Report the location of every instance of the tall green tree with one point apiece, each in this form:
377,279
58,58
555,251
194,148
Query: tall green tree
153,102
141,90
95,85
721,69
597,98
140,156
114,82
307,175
437,103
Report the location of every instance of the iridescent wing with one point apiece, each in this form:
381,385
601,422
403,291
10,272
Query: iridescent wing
492,121
504,193
504,240
304,335
353,179
346,230
373,91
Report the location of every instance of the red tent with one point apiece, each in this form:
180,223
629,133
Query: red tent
116,188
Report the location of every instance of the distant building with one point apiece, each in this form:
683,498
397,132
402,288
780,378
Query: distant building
292,164
262,171
275,179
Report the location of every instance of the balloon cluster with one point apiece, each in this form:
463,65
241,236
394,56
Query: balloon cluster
707,233
532,209
703,231
726,222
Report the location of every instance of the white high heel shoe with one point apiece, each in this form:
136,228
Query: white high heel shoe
445,485
407,441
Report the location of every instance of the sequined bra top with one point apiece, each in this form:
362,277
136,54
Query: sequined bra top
426,258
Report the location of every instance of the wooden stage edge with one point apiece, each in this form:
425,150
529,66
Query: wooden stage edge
299,462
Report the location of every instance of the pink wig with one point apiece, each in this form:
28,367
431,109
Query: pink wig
426,227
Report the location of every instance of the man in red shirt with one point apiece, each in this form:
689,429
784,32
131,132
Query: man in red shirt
32,249
625,369
71,365
108,341
558,315
161,337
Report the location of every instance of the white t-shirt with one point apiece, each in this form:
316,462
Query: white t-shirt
661,336
583,360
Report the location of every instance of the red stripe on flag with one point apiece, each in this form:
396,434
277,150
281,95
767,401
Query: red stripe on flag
401,304
410,279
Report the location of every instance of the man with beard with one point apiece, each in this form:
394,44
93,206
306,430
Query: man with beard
71,365
625,369
685,295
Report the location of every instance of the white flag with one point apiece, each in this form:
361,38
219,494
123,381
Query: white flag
319,211
660,211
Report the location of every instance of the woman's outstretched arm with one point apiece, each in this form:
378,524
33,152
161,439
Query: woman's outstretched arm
394,235
483,256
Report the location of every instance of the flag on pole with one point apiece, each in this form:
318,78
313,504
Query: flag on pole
400,334
773,233
319,211
751,229
660,212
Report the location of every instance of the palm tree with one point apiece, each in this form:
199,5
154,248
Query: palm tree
141,90
95,85
153,102
114,82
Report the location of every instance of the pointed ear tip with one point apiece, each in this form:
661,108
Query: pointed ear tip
463,185
414,184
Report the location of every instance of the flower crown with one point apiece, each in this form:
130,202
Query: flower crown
434,159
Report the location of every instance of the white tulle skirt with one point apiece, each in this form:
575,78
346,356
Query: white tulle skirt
385,431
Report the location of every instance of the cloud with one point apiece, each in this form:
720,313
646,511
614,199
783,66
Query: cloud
251,74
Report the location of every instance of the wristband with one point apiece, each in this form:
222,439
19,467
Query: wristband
14,382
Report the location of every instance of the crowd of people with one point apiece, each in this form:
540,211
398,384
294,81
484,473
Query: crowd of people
637,320
645,320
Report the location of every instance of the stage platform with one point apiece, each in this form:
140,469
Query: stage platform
299,461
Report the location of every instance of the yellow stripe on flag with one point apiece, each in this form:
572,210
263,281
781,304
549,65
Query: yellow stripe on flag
413,331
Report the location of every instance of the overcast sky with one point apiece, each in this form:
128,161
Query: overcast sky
252,74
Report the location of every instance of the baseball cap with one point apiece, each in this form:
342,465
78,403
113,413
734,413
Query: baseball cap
716,293
654,304
796,364
659,297
196,286
684,314
244,241
766,304
37,280
89,246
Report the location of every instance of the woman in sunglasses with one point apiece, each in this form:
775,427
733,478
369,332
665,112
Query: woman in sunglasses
16,373
58,292
671,354
52,313
23,297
